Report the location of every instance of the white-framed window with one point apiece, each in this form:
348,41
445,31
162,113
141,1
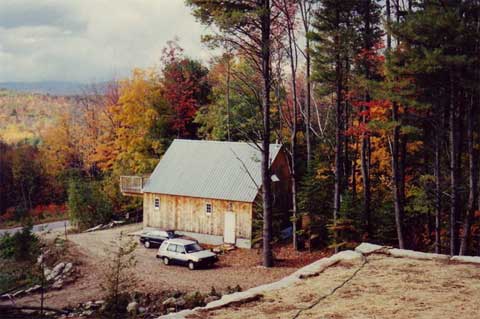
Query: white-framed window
156,203
208,208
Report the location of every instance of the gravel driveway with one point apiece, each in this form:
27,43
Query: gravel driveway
239,267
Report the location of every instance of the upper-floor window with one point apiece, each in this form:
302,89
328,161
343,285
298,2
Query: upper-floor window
156,203
208,208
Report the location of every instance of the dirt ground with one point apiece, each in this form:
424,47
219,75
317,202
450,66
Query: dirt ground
239,267
385,287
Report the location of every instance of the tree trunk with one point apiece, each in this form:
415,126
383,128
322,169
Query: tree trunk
292,53
228,98
354,172
454,182
388,14
305,7
398,203
438,192
472,180
365,147
365,167
309,107
265,161
338,183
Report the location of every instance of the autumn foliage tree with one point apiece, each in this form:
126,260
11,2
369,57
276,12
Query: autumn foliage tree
185,89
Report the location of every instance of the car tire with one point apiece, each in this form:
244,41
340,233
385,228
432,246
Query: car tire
146,244
191,265
166,261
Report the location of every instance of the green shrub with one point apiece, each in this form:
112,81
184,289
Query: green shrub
22,246
7,246
193,300
87,204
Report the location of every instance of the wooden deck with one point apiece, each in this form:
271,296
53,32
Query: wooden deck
132,185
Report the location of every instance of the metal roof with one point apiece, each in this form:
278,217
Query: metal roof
210,169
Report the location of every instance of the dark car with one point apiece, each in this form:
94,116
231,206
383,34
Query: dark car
154,238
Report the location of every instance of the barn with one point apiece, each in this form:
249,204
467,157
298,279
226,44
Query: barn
210,190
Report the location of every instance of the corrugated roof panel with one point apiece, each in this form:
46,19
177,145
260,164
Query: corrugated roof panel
210,169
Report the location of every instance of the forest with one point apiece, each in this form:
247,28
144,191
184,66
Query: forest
377,104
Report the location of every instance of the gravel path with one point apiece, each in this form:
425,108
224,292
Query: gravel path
39,227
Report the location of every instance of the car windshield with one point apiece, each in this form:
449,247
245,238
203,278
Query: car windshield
193,248
171,234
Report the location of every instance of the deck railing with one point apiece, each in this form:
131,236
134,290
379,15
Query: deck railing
132,184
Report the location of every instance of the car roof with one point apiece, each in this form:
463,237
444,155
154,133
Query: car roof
181,241
154,230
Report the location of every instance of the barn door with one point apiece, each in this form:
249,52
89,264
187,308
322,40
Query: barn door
229,228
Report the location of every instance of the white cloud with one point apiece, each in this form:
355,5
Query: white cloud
91,40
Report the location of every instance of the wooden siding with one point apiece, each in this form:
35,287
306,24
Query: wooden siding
188,214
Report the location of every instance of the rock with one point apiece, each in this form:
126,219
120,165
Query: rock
98,227
132,307
230,247
169,302
180,302
33,289
86,313
367,249
56,271
315,268
40,259
169,310
68,267
416,254
466,259
88,305
142,309
58,268
99,302
46,271
209,299
58,284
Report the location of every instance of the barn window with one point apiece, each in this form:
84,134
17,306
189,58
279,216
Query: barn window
208,208
230,207
156,203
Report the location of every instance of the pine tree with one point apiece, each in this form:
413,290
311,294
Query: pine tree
333,37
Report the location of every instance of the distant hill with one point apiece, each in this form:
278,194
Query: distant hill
46,87
24,115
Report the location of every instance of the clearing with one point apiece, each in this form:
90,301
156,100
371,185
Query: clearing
239,267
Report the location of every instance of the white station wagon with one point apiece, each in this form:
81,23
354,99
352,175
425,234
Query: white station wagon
186,252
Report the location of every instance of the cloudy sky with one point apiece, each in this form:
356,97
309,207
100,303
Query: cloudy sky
90,40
